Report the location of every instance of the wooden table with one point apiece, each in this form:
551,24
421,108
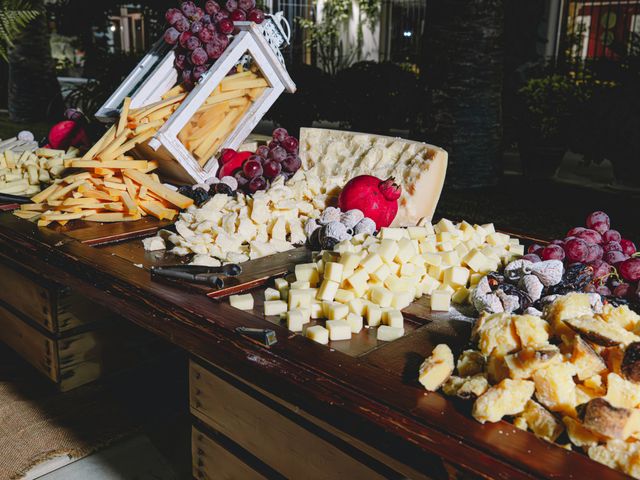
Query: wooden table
363,400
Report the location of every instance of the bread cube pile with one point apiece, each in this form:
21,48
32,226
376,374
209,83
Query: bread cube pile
571,376
369,279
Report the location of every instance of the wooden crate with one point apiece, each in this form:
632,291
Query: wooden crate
280,435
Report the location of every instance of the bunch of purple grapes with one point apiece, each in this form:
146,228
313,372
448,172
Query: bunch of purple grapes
279,157
615,264
201,35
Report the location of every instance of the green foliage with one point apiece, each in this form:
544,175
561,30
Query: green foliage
14,15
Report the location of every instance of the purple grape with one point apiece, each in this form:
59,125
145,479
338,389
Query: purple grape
601,270
574,231
272,169
612,247
623,290
552,252
187,75
242,180
199,56
180,61
603,290
214,50
558,242
182,25
173,15
534,248
262,151
598,221
257,183
576,250
222,40
247,5
532,257
211,7
278,154
279,134
614,257
171,36
198,15
196,27
595,253
628,246
199,71
256,15
290,144
206,35
220,15
184,38
252,167
193,43
189,9
590,236
611,236
291,164
231,5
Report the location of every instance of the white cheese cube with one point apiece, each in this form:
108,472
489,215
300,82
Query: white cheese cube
280,283
444,237
335,311
440,301
393,318
344,296
349,261
371,262
489,228
300,285
444,225
429,284
355,322
381,296
388,250
406,250
358,281
316,310
456,276
461,295
400,284
402,299
417,233
318,334
358,306
327,290
461,250
428,246
274,307
432,258
296,319
373,314
516,249
450,258
474,278
241,302
408,269
338,330
271,294
307,272
381,273
497,238
299,298
388,334
476,261
437,272
389,233
333,271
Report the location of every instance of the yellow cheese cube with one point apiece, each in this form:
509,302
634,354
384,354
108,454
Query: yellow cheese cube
327,290
465,226
373,314
497,238
381,273
320,266
296,319
280,283
461,295
388,250
408,269
274,307
349,261
393,318
388,334
489,228
401,284
428,246
429,284
358,281
440,301
338,330
307,272
299,298
461,249
371,262
355,322
316,310
336,311
432,259
417,233
402,299
444,237
406,250
333,271
318,334
445,246
242,302
444,225
474,278
381,296
456,276
389,233
476,261
516,249
437,272
358,306
450,258
271,294
300,285
344,296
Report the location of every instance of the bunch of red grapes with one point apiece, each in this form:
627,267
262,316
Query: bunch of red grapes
255,171
615,264
202,35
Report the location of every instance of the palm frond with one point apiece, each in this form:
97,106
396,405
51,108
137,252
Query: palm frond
14,16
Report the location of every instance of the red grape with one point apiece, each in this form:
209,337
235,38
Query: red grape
614,257
180,61
278,154
558,242
262,151
220,15
186,75
628,246
552,252
193,43
206,35
291,164
273,144
279,134
290,144
242,180
238,16
184,38
231,5
256,15
173,15
252,167
182,25
211,7
225,26
272,169
630,269
601,270
595,253
247,5
611,236
612,247
590,236
171,36
623,290
188,8
576,250
258,183
534,247
214,50
222,40
199,56
196,27
532,257
574,231
227,154
597,221
199,71
603,290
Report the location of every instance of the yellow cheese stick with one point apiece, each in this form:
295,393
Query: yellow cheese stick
123,115
129,205
100,144
108,164
222,97
177,90
148,110
229,79
107,152
169,195
259,82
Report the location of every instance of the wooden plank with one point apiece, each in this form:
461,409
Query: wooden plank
211,461
32,345
95,233
270,436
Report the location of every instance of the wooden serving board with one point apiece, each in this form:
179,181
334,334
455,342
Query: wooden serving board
97,233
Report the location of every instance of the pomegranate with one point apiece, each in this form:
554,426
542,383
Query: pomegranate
234,162
67,133
377,199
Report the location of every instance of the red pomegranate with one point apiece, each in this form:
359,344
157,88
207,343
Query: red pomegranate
68,133
377,199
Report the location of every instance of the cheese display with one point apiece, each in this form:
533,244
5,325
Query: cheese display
23,172
553,375
337,156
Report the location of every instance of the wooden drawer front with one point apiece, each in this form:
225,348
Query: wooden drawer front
32,345
276,439
211,461
27,296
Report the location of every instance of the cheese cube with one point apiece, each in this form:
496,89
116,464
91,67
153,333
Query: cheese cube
371,262
450,258
358,282
474,278
381,273
440,301
336,311
428,246
388,250
333,271
461,295
271,294
307,272
381,296
456,276
344,296
338,330
461,249
400,284
516,249
316,310
358,306
349,261
327,290
318,334
429,284
497,238
432,258
437,272
476,261
444,237
389,233
489,228
299,298
408,269
274,307
320,266
280,283
388,334
296,319
417,233
355,322
393,318
402,300
242,302
300,285
406,250
373,314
